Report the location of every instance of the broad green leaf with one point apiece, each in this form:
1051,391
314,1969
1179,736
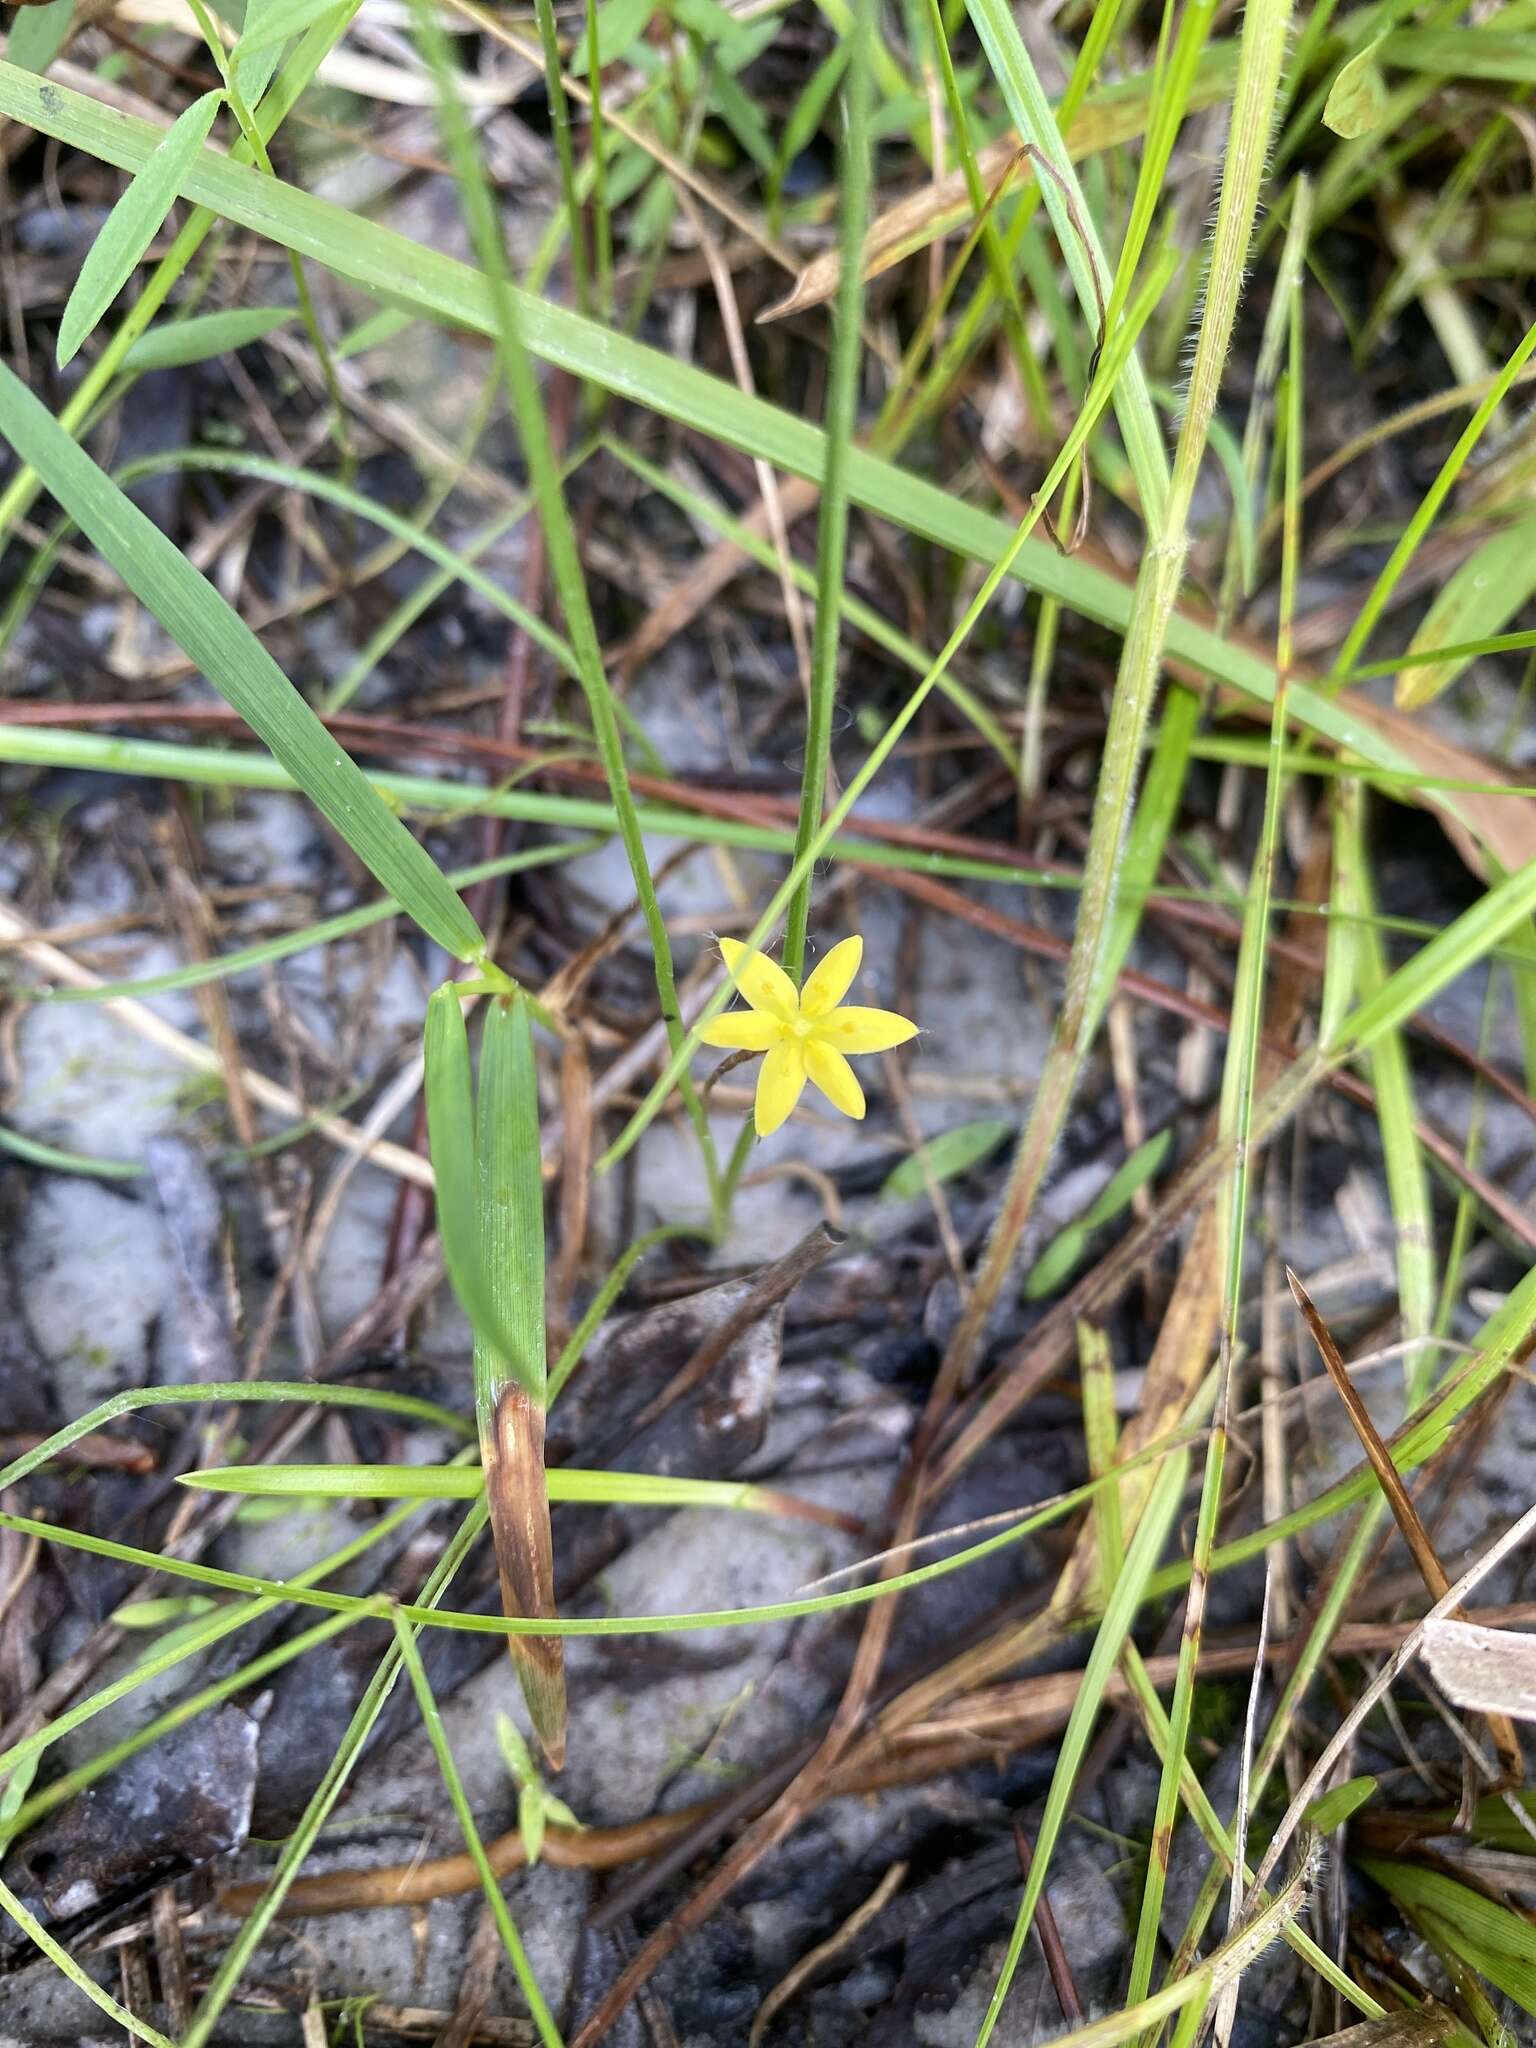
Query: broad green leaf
1357,99
952,1153
451,1133
1496,580
38,34
619,24
170,344
238,666
1061,1256
134,223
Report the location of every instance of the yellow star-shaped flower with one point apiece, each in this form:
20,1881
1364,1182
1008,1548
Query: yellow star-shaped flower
804,1032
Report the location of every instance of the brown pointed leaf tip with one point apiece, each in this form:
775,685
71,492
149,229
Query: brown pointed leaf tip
1501,1724
517,1495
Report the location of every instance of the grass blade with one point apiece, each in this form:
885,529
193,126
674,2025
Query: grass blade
451,1132
171,344
440,288
39,33
510,1383
841,417
238,666
133,224
507,309
1071,217
1119,1612
437,1735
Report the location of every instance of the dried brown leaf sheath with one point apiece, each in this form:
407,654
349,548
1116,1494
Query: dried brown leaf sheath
518,1498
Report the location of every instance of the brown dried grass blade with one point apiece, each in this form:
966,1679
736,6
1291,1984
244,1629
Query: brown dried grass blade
1404,1513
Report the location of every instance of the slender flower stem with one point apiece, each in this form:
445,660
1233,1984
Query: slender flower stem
842,412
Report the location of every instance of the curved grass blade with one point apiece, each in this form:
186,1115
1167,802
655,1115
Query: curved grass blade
133,224
298,1845
1119,1612
346,923
439,287
238,666
437,1735
171,344
61,1959
469,1622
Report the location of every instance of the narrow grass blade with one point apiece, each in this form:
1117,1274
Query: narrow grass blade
437,1735
510,1375
440,288
1119,1612
605,1297
61,1959
270,22
237,664
507,309
224,966
1420,1547
1073,221
841,416
133,224
303,1838
165,1658
1460,946
265,1391
251,1585
171,344
1060,1258
569,1483
1472,607
1157,587
1380,595
451,1131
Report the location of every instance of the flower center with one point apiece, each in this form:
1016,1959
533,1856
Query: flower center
802,1027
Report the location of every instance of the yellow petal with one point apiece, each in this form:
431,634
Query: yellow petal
743,1031
825,989
763,982
852,1029
779,1086
834,1077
